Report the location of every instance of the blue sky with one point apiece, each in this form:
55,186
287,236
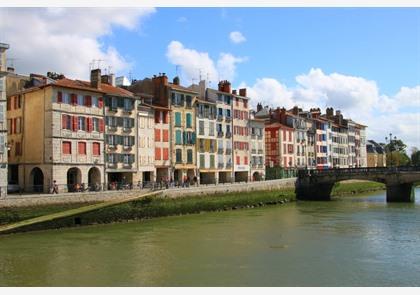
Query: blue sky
363,61
377,44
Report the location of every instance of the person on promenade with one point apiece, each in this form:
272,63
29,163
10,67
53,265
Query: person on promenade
54,188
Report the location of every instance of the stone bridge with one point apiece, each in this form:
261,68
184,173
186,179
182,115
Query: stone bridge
317,184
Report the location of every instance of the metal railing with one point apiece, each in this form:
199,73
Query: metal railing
360,170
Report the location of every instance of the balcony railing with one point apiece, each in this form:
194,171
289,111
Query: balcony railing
260,151
127,129
228,119
219,118
228,151
253,151
220,165
228,134
220,151
219,133
127,147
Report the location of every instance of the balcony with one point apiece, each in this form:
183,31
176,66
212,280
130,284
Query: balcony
127,165
220,151
219,118
127,147
112,146
253,151
113,109
127,111
127,129
112,165
219,133
112,128
228,134
228,165
253,135
260,151
220,165
228,151
228,119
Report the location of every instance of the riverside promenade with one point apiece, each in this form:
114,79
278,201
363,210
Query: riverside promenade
27,200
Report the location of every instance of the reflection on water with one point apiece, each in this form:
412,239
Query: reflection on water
351,241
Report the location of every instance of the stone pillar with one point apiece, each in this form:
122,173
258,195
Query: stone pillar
403,192
314,191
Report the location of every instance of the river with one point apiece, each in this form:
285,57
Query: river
351,241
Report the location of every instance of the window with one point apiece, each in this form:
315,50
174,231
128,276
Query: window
178,137
157,117
189,120
96,148
165,135
201,127
188,100
1,144
66,122
81,123
212,161
66,147
18,149
220,112
2,113
81,147
228,113
202,161
165,116
189,156
80,100
245,160
211,128
245,103
88,100
157,153
165,154
157,135
178,155
95,102
178,119
128,105
95,124
238,160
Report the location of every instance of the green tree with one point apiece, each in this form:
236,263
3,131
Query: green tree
396,145
415,157
394,159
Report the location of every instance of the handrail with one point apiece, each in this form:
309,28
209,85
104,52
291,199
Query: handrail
352,171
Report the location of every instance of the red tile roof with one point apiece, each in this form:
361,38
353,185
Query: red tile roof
278,125
85,85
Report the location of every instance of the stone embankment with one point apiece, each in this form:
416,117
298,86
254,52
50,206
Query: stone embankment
92,197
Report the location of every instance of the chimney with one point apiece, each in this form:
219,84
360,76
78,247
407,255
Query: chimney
295,110
330,112
111,80
242,92
176,80
225,86
95,78
259,107
234,91
10,69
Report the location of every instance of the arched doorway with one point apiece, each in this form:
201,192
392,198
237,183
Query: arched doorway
256,176
37,180
94,179
74,178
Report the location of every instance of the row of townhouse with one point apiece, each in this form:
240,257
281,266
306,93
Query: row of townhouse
309,139
94,135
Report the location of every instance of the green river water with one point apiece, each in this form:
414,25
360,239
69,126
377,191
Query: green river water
351,241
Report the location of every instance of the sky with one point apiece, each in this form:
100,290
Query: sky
362,61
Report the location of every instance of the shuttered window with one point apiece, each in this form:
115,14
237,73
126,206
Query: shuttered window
81,147
165,135
96,148
66,147
157,117
165,154
178,119
189,120
178,137
157,153
189,156
157,135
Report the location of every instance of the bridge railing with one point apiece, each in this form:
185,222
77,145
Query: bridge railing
360,170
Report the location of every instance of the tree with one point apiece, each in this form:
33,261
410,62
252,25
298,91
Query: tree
396,145
415,157
395,153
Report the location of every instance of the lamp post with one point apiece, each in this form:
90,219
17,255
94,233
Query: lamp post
390,142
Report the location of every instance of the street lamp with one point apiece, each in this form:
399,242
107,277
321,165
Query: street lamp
390,142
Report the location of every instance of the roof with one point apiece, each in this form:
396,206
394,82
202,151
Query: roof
181,88
156,107
200,100
278,125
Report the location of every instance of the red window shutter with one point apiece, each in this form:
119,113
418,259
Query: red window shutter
14,126
74,123
88,100
59,97
238,160
157,117
89,125
157,134
246,160
82,148
66,147
157,153
165,135
64,121
166,117
100,102
165,154
101,125
96,148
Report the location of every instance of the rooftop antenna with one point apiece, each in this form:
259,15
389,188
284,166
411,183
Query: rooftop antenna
99,62
208,80
199,74
177,70
109,70
130,76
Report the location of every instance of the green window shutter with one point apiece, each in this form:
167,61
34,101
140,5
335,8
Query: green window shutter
177,119
178,139
189,124
193,138
185,137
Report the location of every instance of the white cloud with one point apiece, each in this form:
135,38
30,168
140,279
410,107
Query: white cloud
193,63
237,37
357,98
66,40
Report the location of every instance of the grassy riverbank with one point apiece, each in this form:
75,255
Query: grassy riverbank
151,207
